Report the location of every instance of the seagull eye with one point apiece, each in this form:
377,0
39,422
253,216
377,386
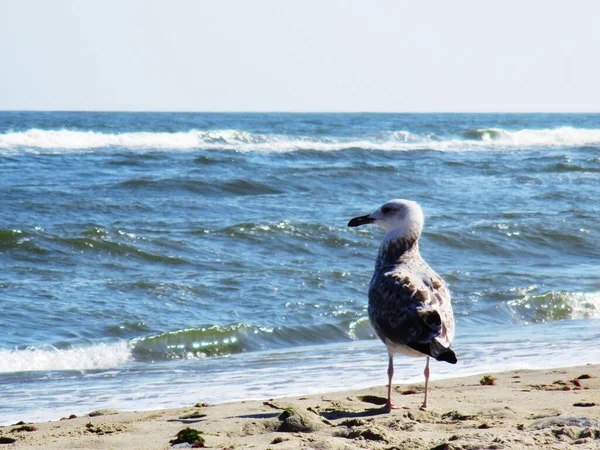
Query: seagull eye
386,209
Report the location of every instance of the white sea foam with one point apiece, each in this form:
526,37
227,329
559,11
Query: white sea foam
561,136
99,356
586,306
553,306
59,141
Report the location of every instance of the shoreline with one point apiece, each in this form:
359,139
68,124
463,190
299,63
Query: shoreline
552,408
287,372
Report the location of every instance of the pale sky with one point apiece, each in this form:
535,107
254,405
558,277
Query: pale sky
308,55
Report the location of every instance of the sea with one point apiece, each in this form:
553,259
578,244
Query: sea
153,260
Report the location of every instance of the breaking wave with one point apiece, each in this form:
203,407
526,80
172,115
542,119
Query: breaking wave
180,345
548,137
214,341
238,338
57,141
49,358
553,306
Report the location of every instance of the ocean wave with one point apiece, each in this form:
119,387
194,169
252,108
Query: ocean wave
308,230
19,240
239,186
557,305
104,245
215,341
289,233
193,343
117,243
547,137
238,338
11,238
48,358
59,141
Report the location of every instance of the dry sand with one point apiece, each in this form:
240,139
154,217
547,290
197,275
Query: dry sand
547,409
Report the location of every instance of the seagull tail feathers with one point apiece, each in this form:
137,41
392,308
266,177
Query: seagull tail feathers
435,350
433,322
447,355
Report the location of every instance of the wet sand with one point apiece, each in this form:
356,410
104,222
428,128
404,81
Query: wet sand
550,409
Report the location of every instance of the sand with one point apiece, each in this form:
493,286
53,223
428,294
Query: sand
544,409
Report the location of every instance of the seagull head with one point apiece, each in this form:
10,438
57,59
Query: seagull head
404,217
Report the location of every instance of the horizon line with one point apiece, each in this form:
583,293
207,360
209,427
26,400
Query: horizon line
285,111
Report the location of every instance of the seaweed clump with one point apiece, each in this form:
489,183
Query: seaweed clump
487,380
190,436
27,428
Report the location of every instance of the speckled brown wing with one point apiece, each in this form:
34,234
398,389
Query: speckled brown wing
410,305
441,302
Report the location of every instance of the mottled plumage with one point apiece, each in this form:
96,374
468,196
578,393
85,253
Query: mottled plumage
409,304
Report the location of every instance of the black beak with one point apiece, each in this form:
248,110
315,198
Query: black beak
362,220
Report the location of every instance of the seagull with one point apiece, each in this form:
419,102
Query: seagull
409,304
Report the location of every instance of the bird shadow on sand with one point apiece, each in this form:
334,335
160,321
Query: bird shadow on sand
186,421
334,414
194,417
258,416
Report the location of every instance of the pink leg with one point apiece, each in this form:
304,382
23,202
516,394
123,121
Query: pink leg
426,373
390,406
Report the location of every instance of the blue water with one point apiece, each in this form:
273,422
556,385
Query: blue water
160,259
